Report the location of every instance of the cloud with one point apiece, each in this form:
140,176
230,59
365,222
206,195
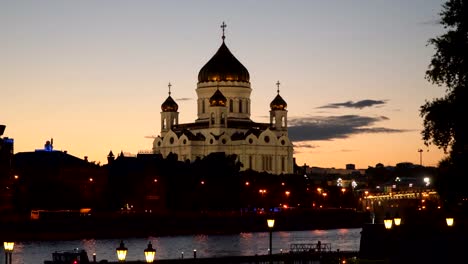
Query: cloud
184,99
305,145
335,127
431,22
359,104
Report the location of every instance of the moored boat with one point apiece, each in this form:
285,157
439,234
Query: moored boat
76,256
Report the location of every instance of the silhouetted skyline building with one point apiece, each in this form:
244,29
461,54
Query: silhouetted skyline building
6,154
50,179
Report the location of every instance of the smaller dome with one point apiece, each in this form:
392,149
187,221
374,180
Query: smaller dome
218,99
278,103
169,105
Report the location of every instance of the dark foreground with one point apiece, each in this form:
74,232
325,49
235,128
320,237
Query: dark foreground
286,258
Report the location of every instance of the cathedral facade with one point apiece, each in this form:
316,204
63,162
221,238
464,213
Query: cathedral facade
224,124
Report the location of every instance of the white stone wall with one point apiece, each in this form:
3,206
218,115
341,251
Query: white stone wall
266,147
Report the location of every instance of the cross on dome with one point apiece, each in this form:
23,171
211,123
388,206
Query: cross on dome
169,85
278,85
223,27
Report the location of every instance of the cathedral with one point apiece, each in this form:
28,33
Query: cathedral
224,124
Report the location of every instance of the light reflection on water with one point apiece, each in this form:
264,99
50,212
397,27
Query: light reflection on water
171,247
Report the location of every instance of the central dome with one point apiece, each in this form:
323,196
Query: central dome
223,66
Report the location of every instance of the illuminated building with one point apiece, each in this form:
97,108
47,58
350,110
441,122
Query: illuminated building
223,121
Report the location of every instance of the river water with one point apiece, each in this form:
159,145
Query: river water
173,247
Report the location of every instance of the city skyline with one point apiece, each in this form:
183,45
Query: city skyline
93,75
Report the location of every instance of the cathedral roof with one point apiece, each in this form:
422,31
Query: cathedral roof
223,66
169,105
218,99
278,103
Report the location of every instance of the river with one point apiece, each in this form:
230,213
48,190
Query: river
172,247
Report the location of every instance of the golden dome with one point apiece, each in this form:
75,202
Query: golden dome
169,105
278,103
223,66
218,99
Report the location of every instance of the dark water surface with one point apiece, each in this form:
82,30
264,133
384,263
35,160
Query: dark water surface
171,247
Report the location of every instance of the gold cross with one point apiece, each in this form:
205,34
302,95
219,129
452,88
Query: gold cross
223,26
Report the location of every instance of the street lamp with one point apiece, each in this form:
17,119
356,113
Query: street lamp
121,252
449,221
271,224
150,253
397,220
8,251
388,222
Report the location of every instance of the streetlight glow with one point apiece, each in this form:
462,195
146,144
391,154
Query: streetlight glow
388,223
9,246
449,221
397,221
150,253
121,252
271,223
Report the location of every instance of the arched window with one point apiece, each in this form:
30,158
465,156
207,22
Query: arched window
212,118
164,123
240,106
223,119
203,106
283,121
231,105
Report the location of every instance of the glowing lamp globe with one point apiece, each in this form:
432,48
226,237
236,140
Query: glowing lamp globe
121,252
397,221
271,223
150,253
8,246
388,223
449,221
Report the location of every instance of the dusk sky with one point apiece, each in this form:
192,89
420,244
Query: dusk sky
92,75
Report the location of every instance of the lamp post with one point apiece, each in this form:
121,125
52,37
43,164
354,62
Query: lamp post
271,224
150,253
121,252
8,246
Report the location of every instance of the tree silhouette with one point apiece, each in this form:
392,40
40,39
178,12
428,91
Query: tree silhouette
445,118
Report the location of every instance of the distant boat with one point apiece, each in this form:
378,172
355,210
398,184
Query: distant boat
76,256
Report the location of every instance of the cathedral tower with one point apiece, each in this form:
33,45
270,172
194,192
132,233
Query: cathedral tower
278,112
169,114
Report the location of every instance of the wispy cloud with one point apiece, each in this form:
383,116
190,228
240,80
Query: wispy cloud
304,145
359,104
431,22
336,127
184,99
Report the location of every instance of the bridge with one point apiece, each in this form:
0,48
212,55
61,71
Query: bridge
393,200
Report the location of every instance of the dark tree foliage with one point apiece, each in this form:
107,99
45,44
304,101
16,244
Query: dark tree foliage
445,118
